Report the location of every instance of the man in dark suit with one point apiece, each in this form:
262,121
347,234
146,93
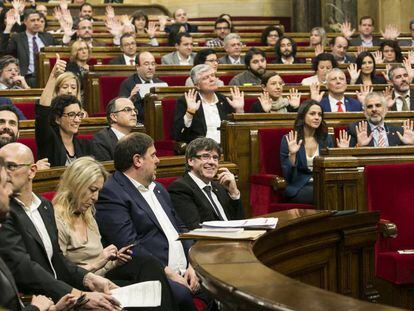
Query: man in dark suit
128,46
180,16
197,197
233,48
199,113
339,46
25,45
401,99
133,209
336,101
122,118
130,87
366,29
375,132
29,242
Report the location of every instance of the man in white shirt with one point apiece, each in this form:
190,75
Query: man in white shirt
401,99
129,51
184,51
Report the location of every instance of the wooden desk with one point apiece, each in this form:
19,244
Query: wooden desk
308,247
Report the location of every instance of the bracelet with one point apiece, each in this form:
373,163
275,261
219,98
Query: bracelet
191,111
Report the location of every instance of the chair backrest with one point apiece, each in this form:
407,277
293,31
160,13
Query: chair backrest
28,109
31,143
168,108
166,181
390,190
108,89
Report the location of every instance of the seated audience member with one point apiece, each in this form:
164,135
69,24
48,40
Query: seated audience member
43,23
317,37
42,9
25,45
180,16
336,101
221,29
145,74
408,42
389,52
29,242
364,71
208,57
271,100
143,26
10,78
197,197
129,51
132,208
184,51
401,98
365,29
285,50
255,61
74,203
175,29
84,31
232,46
122,118
271,35
299,148
339,47
374,132
321,64
199,113
229,19
80,53
86,11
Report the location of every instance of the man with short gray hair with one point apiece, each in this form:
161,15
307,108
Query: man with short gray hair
232,46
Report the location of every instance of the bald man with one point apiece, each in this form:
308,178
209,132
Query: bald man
29,243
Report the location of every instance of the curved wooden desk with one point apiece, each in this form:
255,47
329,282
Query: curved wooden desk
308,247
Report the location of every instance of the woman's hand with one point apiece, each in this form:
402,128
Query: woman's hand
353,73
265,101
293,143
343,140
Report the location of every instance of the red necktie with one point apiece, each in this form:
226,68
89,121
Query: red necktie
131,61
339,104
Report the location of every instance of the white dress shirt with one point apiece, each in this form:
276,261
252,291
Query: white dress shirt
184,61
333,103
128,60
117,133
375,134
176,256
40,44
235,61
399,102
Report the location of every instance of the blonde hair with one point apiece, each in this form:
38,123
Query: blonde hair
73,186
321,32
75,47
64,77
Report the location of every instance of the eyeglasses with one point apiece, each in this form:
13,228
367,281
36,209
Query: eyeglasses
127,110
72,115
207,157
11,166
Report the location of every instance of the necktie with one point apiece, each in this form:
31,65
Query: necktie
207,190
404,102
131,61
35,46
339,104
381,139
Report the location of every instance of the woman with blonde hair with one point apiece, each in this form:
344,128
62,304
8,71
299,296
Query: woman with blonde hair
317,37
80,53
79,237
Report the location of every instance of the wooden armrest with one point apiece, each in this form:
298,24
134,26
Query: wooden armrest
275,181
26,299
278,183
179,147
387,228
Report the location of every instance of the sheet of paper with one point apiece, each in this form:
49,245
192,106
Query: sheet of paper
144,294
249,235
254,223
144,89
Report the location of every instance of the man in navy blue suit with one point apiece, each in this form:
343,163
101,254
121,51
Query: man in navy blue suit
336,101
133,209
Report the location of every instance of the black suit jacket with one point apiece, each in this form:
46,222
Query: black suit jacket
120,60
193,207
198,126
394,107
357,41
23,251
18,46
393,139
126,88
103,144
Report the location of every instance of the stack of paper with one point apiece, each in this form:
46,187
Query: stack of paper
254,223
144,294
223,234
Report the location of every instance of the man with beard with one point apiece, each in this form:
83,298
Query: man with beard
401,98
285,50
375,132
256,67
84,31
10,77
222,29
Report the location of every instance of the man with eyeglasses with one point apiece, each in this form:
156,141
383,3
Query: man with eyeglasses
10,77
122,118
222,29
128,47
198,196
256,67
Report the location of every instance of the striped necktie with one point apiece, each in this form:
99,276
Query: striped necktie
381,139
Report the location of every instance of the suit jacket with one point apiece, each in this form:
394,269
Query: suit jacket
357,41
198,126
226,60
124,217
393,139
298,175
120,60
188,28
23,251
18,46
394,107
193,207
172,59
126,88
103,144
351,104
405,42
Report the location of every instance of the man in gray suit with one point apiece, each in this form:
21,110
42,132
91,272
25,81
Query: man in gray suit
232,46
184,51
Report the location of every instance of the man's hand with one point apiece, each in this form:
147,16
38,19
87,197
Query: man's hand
228,181
315,92
343,140
134,92
10,20
109,12
114,27
388,96
97,283
41,302
408,136
173,276
43,164
237,99
192,279
360,49
362,134
346,30
410,71
391,32
363,92
162,19
65,303
101,301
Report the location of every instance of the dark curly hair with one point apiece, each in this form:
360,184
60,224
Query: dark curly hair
201,56
268,30
321,133
359,61
277,47
323,57
394,45
58,106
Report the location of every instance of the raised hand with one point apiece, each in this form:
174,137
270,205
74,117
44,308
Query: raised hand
152,29
346,30
57,14
10,19
385,73
19,5
378,57
237,99
191,99
319,49
265,101
63,4
162,19
353,73
360,49
362,134
294,98
125,20
391,32
363,92
410,56
60,66
293,143
66,26
388,96
315,92
343,140
408,136
410,71
109,12
114,26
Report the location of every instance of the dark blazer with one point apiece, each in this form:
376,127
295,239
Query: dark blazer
299,174
188,28
103,144
75,69
124,217
49,142
295,60
198,126
394,107
193,207
120,60
393,139
226,60
351,104
126,88
378,79
18,46
356,41
22,249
